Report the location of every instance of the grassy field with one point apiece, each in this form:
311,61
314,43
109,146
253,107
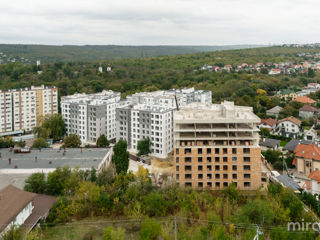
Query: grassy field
90,229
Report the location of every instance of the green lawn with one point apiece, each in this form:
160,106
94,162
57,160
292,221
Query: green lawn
283,143
306,127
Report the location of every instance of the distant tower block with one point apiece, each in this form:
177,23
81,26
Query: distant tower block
100,69
38,62
109,68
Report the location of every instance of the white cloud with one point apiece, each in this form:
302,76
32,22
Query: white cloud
188,22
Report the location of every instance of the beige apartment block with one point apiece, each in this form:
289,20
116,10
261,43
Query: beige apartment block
22,109
215,145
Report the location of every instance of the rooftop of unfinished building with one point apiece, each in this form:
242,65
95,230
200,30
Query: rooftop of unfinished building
29,88
152,108
167,93
94,98
224,112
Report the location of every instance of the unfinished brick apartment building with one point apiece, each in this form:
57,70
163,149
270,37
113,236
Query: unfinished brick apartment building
216,144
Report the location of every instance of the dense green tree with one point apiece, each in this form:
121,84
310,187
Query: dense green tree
144,146
57,180
14,233
121,156
72,141
35,183
40,143
150,230
102,141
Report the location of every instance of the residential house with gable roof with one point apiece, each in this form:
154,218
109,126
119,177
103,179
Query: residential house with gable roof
307,158
288,127
308,111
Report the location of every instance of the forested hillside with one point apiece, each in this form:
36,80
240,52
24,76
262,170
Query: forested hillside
146,74
91,53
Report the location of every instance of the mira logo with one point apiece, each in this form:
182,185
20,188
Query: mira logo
303,226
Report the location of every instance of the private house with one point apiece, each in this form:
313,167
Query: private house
269,124
308,111
307,158
275,71
304,100
313,185
287,94
269,143
311,135
21,208
313,85
274,111
288,127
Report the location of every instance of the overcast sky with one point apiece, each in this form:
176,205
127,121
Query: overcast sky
162,22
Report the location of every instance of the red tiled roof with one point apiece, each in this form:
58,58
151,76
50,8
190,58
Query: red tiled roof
270,121
291,119
304,99
315,175
307,185
294,161
307,151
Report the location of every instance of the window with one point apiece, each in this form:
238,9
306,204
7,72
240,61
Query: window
217,167
188,176
209,159
209,168
177,159
234,151
200,184
225,159
187,159
200,176
246,150
187,168
225,151
246,167
177,151
209,176
216,151
187,150
225,167
234,176
246,176
246,159
246,184
234,159
234,167
208,150
217,184
199,159
177,168
209,184
217,176
177,176
200,168
217,159
225,176
188,184
199,150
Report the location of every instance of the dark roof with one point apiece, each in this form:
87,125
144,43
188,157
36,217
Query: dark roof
308,108
291,146
288,182
269,142
12,202
42,204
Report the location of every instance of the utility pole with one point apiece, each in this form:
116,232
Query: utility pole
175,228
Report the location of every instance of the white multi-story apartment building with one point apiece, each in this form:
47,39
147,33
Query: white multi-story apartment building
22,109
149,115
91,115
